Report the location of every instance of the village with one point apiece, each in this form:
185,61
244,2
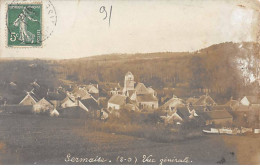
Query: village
101,101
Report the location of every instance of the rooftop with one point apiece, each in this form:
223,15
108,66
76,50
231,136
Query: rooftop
117,99
146,98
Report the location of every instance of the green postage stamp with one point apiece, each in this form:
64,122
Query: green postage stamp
24,24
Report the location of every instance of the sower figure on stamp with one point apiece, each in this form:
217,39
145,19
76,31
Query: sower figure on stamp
22,21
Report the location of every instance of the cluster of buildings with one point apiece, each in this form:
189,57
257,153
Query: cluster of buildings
79,101
101,100
173,110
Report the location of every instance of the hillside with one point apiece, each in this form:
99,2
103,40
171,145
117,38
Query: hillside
224,69
217,68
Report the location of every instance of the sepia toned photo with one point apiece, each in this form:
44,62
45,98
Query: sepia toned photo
127,82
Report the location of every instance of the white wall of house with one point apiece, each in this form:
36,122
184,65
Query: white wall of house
148,105
113,106
42,106
245,101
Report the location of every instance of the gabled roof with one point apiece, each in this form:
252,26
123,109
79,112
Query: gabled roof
141,89
91,87
150,90
117,99
80,92
32,96
43,100
183,112
90,104
40,92
176,101
253,99
35,97
146,98
204,100
218,114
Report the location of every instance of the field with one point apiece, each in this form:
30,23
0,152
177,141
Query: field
33,139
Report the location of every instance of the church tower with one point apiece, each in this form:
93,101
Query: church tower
129,83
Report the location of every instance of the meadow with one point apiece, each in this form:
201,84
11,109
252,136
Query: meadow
34,139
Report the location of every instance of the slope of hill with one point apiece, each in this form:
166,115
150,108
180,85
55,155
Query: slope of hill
226,69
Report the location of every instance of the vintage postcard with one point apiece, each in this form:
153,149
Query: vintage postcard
127,82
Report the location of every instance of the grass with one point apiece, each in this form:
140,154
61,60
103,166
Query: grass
247,148
34,139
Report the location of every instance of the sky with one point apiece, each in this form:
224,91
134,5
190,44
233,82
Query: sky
139,27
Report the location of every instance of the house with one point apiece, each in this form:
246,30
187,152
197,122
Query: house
91,106
141,89
172,104
109,89
116,102
29,99
204,100
218,117
147,101
185,113
172,118
250,100
81,93
68,102
144,97
92,89
56,98
42,106
179,115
